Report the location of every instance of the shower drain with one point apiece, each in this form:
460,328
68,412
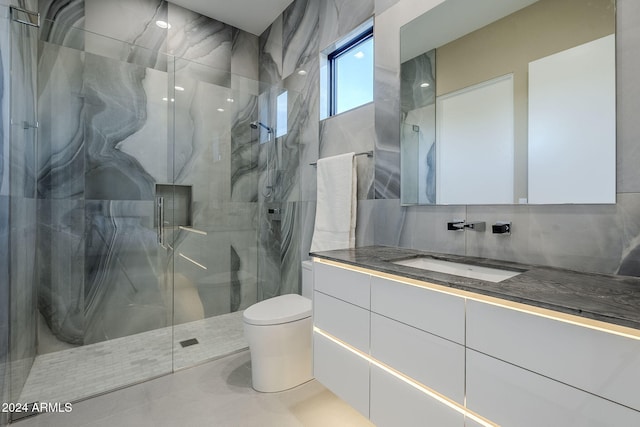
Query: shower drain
187,343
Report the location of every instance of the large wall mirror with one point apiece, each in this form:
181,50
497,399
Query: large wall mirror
509,102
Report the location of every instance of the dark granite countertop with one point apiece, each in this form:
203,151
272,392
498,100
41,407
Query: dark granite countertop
608,298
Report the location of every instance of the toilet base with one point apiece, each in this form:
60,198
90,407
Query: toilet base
281,356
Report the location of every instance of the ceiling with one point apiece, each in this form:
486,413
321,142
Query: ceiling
253,16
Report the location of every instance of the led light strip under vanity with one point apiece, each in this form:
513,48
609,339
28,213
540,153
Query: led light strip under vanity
340,283
421,387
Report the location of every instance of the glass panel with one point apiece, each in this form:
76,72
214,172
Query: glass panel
216,157
354,76
21,153
103,287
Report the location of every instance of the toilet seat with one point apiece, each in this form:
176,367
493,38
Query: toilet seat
278,310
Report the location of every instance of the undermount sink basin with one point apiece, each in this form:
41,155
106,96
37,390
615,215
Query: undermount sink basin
459,269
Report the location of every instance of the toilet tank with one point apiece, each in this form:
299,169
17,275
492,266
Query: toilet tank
307,279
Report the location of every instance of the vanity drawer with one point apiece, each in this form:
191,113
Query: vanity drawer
348,285
433,361
512,396
345,321
598,362
341,371
396,403
432,311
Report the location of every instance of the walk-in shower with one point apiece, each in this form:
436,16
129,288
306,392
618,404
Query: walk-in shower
123,291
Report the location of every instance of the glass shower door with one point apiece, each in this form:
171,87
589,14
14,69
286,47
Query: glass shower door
19,176
215,209
100,301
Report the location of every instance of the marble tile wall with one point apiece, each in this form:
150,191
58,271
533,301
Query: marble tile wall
99,166
293,43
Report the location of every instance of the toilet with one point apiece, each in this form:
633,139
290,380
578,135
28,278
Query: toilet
279,332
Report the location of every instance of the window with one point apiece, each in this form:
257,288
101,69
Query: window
350,72
281,114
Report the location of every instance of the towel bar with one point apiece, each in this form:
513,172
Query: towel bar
364,153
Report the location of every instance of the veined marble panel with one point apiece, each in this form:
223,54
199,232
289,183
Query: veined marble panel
126,30
365,223
299,35
245,273
62,22
61,152
389,218
354,131
126,289
269,253
271,53
216,265
117,97
61,250
387,135
203,138
431,234
339,17
413,73
291,267
306,218
204,45
591,238
245,49
303,131
244,148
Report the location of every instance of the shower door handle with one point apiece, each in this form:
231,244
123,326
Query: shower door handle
160,220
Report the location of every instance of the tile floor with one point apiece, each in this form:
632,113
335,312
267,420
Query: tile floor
215,394
77,373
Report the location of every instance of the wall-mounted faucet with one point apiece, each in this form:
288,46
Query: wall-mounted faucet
501,228
458,224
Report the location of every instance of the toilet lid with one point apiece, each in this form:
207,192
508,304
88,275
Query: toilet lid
281,309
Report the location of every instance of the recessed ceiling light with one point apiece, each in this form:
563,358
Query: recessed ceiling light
359,55
179,88
302,72
425,84
221,110
163,24
167,99
230,99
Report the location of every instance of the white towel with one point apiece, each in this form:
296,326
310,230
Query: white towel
335,226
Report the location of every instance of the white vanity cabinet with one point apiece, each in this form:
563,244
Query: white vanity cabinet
341,309
539,368
598,362
395,403
405,352
419,332
402,336
512,396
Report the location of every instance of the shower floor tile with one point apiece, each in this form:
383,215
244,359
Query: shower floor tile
77,373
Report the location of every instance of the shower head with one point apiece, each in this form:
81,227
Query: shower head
254,125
